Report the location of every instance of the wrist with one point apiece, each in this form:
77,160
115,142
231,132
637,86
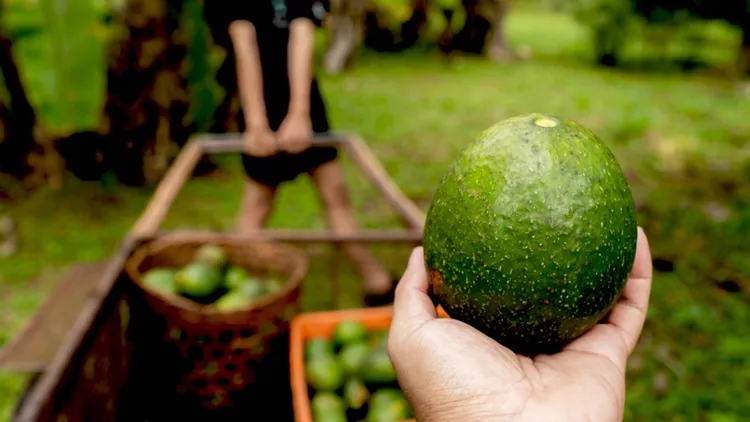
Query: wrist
299,109
257,122
469,414
477,407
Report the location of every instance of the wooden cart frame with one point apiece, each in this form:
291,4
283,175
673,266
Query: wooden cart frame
412,216
97,323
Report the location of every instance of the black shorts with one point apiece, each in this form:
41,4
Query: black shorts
285,167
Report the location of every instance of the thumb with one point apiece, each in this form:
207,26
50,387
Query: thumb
412,306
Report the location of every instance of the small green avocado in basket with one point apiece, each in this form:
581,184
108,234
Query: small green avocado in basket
210,279
198,280
160,279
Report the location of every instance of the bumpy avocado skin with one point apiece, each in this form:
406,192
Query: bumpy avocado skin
531,234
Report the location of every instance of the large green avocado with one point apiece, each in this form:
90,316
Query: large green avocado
531,234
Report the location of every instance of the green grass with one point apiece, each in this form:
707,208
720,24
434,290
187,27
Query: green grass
681,139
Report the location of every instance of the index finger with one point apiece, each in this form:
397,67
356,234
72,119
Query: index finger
412,306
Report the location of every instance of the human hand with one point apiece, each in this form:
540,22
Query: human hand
295,133
449,371
260,142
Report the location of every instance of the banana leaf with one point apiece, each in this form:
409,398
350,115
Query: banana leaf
60,51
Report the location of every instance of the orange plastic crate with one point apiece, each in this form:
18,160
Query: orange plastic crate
321,324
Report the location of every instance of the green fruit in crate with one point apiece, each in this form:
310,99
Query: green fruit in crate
531,233
355,393
352,356
349,332
160,279
232,301
235,277
378,368
198,280
327,407
317,347
388,405
324,373
213,255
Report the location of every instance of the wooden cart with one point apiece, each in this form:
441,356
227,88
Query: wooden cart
88,351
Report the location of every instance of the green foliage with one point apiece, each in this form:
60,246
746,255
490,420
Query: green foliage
608,20
393,13
448,4
202,63
59,48
662,29
600,13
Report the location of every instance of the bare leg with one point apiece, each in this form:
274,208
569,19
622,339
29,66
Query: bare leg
329,178
257,205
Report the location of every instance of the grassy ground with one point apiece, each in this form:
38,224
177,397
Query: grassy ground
679,137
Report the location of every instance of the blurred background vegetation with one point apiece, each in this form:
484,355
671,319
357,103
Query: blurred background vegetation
98,96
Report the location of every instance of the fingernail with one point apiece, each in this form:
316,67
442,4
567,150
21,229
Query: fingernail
416,256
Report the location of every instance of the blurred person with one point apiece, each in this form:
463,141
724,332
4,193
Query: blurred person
282,106
450,371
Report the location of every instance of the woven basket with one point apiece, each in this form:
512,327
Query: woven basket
220,352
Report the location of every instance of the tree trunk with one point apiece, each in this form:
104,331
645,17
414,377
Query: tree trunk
484,29
147,98
17,118
743,65
380,36
225,117
498,49
352,22
345,21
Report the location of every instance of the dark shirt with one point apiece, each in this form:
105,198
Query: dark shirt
271,19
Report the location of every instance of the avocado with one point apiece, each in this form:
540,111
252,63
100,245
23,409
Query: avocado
388,405
160,279
355,393
252,288
235,276
232,301
318,346
531,233
349,332
212,255
352,357
377,367
198,280
327,407
324,373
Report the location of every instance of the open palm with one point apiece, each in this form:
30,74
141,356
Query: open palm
449,371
